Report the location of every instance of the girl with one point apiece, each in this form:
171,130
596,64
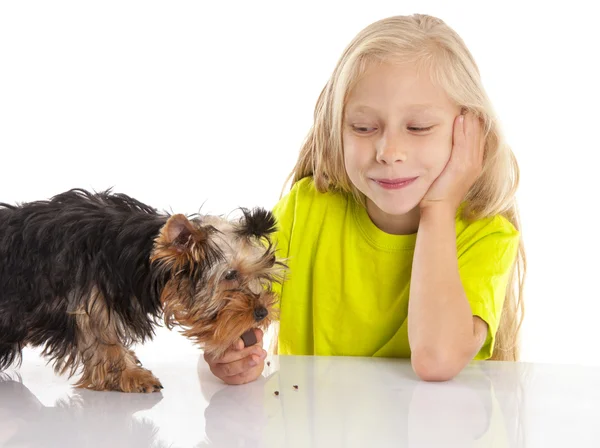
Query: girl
401,228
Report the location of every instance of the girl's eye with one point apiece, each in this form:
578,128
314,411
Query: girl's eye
363,129
417,129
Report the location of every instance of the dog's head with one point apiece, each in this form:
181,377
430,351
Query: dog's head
220,274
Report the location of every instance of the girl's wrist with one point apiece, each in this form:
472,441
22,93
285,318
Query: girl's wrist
437,213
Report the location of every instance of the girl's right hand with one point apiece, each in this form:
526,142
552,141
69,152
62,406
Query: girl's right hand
239,364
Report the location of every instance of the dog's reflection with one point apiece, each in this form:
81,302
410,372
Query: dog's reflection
463,412
84,418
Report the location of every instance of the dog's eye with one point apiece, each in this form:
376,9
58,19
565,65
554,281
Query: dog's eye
231,275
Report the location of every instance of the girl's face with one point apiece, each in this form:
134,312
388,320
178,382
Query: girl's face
397,137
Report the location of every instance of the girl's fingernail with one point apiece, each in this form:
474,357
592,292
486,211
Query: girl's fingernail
252,362
461,119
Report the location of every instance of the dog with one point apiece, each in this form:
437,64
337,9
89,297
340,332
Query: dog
85,275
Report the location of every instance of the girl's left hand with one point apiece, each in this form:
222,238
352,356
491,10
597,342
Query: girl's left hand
463,167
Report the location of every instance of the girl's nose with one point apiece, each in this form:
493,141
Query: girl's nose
390,151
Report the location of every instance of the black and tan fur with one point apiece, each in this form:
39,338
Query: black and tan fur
86,275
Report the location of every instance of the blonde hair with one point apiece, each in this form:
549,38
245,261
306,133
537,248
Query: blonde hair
431,44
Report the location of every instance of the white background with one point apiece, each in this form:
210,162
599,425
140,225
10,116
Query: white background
186,103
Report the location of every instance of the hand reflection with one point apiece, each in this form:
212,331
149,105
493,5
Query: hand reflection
84,418
236,415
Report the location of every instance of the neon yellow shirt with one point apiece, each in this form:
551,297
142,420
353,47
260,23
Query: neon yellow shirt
347,289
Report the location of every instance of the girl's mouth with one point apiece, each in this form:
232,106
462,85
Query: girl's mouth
394,184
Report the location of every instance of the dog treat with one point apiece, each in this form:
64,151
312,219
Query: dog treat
276,392
249,338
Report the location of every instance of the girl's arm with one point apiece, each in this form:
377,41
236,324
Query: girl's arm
444,335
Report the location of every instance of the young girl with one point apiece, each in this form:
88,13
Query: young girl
401,226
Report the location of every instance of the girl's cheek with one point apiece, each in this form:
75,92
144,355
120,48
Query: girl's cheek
430,153
433,158
440,149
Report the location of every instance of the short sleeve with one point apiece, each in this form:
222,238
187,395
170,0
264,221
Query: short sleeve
284,212
486,257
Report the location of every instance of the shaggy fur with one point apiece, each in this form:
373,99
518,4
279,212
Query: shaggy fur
86,275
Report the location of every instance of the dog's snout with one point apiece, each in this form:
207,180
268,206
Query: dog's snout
260,313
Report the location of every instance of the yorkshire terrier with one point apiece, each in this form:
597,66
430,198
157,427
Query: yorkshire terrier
85,275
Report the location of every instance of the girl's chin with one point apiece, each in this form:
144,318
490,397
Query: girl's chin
395,201
394,208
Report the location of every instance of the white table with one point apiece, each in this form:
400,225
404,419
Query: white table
340,402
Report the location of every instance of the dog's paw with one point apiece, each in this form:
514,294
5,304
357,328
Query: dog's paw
139,380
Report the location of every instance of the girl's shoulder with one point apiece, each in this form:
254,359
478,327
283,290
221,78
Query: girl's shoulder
306,187
496,227
304,196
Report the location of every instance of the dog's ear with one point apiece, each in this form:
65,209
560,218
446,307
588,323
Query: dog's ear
257,222
181,242
181,234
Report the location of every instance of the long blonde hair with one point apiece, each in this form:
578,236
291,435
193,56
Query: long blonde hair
429,43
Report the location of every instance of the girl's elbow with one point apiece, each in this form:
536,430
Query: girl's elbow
435,366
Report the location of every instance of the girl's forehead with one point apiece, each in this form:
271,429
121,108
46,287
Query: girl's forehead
402,85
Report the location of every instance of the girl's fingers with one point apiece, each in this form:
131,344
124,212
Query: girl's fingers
458,135
247,376
235,354
481,143
472,143
240,367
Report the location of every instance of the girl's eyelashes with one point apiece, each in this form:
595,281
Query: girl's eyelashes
419,129
365,129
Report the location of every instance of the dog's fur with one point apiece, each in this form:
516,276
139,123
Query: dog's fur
85,275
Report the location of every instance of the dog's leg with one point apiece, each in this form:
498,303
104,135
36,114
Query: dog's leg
113,367
135,358
107,363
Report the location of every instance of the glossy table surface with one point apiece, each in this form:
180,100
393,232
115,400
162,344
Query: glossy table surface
339,402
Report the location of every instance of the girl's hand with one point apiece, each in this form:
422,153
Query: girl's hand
240,365
463,167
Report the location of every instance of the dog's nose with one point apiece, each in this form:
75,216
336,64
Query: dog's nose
260,313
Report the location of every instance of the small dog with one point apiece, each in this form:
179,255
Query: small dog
85,275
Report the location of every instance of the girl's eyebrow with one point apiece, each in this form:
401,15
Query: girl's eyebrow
361,108
424,107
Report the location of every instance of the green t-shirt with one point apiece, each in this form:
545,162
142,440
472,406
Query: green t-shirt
347,289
